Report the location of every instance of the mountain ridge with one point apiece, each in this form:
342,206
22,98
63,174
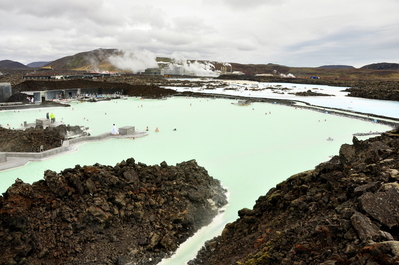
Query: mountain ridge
37,64
382,66
12,65
98,60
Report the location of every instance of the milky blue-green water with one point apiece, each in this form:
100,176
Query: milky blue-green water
249,148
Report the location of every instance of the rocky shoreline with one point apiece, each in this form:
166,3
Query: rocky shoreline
127,214
372,89
342,212
149,86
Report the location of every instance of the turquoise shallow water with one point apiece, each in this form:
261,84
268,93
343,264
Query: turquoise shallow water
249,148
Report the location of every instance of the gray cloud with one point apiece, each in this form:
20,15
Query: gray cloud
289,32
239,4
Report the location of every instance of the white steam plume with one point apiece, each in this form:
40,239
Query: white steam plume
94,58
139,60
195,68
289,75
93,63
134,60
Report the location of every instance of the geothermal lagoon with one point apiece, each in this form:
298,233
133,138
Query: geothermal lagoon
249,149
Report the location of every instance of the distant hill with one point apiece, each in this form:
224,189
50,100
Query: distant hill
37,64
337,66
88,61
98,60
382,66
12,65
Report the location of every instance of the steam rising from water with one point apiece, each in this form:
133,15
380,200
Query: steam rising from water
139,60
134,60
195,68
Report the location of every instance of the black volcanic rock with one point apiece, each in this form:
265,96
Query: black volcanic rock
19,97
31,139
127,214
310,93
386,90
345,211
35,139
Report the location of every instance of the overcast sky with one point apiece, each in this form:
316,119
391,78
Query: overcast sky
288,32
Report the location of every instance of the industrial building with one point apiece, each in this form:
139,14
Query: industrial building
72,93
63,75
5,91
153,71
173,70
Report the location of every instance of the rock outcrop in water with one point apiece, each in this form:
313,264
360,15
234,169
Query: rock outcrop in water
128,214
345,211
32,139
386,90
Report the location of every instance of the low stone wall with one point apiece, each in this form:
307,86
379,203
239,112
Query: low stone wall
37,156
67,145
3,157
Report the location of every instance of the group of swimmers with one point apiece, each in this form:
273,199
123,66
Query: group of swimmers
114,130
157,130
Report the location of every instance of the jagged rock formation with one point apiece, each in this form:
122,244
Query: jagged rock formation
387,90
19,97
310,93
29,140
34,139
345,211
128,214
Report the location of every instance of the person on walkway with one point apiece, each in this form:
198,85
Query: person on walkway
52,117
47,115
114,131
